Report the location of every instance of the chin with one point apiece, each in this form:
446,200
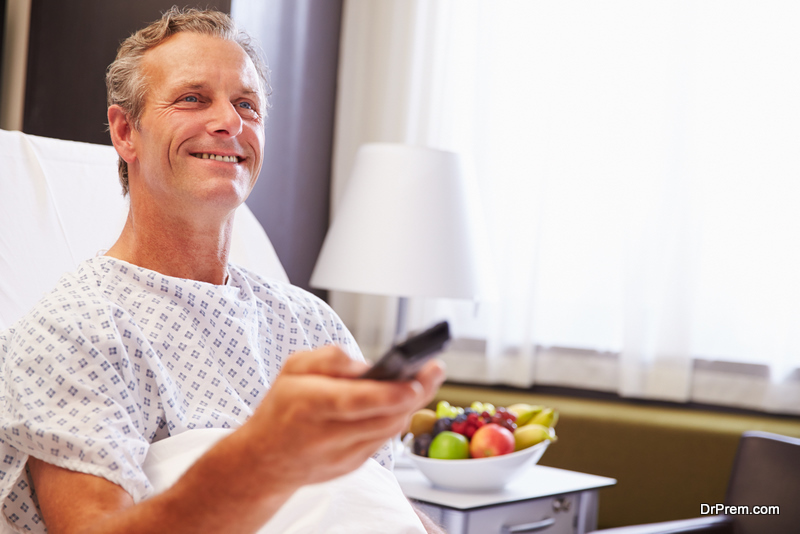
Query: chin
223,196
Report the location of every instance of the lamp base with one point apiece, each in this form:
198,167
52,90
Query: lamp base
401,328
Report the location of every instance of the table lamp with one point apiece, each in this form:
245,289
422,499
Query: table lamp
406,226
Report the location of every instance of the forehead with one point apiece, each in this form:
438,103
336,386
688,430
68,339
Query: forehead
196,59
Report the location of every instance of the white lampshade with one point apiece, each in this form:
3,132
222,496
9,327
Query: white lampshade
406,226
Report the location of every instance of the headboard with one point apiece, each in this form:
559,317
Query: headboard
61,203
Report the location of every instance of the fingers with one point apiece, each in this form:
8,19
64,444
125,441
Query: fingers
430,378
373,429
349,400
398,396
345,460
343,399
329,360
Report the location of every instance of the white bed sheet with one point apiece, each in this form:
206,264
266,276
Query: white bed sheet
366,501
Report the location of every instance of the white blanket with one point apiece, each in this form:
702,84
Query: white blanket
368,500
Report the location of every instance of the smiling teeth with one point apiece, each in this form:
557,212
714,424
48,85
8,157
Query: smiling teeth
227,159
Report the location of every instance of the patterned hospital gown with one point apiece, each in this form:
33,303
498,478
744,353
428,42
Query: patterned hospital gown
118,357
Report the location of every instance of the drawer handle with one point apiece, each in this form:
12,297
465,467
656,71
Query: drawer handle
528,527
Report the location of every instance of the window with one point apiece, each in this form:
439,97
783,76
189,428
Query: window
639,166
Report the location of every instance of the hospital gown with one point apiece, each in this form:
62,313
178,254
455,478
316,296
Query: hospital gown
118,357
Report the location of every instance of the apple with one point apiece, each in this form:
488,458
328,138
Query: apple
491,440
449,445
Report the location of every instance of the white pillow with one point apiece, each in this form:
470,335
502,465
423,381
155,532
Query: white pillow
61,203
368,500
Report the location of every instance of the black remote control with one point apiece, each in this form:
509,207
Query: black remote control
404,360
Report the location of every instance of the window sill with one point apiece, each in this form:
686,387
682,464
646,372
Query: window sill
721,384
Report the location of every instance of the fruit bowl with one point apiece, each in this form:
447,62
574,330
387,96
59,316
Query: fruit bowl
475,474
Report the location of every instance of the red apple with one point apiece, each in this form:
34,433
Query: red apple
491,440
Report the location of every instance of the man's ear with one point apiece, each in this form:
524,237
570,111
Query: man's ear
121,129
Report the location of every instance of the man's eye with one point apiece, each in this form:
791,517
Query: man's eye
246,105
190,99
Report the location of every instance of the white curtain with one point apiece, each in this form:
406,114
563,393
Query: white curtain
399,82
638,163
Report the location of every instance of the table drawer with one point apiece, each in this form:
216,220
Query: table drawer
551,515
554,515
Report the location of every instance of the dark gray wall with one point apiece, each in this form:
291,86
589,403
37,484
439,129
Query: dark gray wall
291,199
2,35
69,48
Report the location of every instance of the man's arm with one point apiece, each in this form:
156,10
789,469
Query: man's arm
316,423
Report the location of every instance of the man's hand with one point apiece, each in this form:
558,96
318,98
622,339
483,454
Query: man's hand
318,421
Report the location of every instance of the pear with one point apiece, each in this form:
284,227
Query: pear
547,417
524,412
532,434
422,422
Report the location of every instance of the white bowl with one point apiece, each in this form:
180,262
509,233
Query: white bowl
476,474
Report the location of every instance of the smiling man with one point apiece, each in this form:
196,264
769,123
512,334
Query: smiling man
192,157
161,335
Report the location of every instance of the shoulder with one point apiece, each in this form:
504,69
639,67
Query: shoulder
298,307
74,292
291,296
78,302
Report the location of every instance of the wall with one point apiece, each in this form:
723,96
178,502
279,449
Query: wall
14,62
2,34
291,200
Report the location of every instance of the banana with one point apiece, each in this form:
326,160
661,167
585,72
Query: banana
532,434
547,417
524,412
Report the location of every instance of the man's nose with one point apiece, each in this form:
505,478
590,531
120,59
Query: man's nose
225,119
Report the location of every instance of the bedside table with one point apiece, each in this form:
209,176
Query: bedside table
543,499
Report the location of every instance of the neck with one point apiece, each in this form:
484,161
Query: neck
184,248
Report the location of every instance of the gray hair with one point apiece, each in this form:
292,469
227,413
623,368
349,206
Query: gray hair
126,86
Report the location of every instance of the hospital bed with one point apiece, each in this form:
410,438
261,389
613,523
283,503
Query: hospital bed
61,203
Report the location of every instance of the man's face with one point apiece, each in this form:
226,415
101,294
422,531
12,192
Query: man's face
201,133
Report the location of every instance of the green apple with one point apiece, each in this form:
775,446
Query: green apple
449,445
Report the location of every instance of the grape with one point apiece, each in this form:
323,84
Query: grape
441,425
444,409
505,419
421,444
460,427
507,424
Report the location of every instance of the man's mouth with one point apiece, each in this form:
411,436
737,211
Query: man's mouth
217,157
